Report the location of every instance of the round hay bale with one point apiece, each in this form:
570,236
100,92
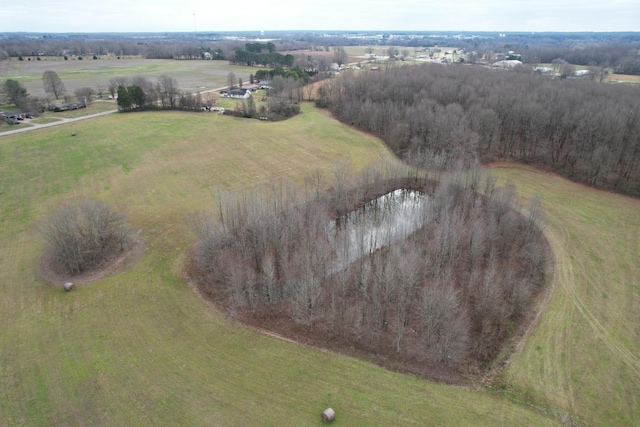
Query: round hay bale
328,415
73,134
68,286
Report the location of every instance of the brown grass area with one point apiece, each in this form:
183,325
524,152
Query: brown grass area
53,274
623,78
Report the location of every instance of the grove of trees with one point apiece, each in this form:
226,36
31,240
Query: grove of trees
261,54
436,115
82,235
140,93
447,296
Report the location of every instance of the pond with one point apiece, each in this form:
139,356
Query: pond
381,222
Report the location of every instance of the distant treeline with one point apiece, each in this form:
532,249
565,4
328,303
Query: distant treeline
619,51
623,58
178,48
443,115
261,54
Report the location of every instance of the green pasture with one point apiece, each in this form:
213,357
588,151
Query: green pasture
142,348
584,353
4,126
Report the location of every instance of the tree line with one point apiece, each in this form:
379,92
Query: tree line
86,46
441,115
622,57
261,54
139,93
295,73
451,293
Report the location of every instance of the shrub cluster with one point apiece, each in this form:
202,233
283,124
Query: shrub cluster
83,235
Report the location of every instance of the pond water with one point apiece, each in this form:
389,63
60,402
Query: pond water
381,222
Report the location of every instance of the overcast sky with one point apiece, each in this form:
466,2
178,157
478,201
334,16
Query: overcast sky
381,15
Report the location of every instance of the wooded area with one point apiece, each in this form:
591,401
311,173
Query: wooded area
437,116
448,295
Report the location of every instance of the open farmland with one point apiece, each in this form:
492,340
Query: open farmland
584,355
141,347
192,76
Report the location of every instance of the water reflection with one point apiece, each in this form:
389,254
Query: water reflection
385,220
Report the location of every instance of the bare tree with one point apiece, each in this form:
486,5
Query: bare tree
53,86
340,55
115,83
448,290
168,91
444,335
231,79
84,94
309,89
83,234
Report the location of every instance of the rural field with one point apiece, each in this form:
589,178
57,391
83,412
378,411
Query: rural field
192,76
142,348
584,354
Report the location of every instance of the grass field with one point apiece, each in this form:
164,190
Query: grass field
141,348
192,76
584,355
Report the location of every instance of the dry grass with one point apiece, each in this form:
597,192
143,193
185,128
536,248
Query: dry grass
193,76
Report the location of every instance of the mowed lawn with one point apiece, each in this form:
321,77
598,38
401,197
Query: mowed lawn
584,354
141,348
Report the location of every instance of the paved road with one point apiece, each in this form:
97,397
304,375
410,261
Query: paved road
35,126
89,116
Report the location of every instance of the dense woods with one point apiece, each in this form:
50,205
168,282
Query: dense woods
447,295
439,116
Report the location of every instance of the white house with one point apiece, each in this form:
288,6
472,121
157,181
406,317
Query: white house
239,93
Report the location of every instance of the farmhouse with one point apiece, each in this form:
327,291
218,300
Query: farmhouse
239,93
